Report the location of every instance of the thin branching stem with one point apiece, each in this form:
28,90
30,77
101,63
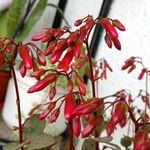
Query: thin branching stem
18,105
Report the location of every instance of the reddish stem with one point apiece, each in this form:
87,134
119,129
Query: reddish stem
92,80
18,106
70,135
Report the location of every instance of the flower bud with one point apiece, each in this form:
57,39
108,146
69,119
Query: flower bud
76,126
69,106
116,23
54,115
91,125
43,83
24,54
108,41
141,75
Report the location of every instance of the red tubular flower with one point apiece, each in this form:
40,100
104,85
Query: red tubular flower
57,51
105,23
89,22
116,43
123,122
71,38
110,127
141,141
52,93
47,110
41,58
81,85
58,33
82,33
77,48
119,112
108,41
50,48
38,36
132,67
65,62
24,54
38,73
76,126
54,115
78,22
88,106
69,106
70,85
44,36
55,56
141,75
91,125
116,23
43,83
22,69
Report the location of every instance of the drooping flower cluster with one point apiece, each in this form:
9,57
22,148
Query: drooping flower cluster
65,50
68,44
131,64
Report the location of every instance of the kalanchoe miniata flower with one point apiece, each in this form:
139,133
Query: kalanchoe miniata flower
70,85
71,38
69,106
52,93
50,48
38,73
142,73
108,41
44,36
81,85
43,83
110,127
88,106
116,23
119,112
141,141
54,115
91,125
116,43
41,58
76,126
78,22
47,111
24,54
22,69
65,62
106,24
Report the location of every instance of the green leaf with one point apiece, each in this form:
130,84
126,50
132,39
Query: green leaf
126,141
32,20
14,146
42,142
3,21
33,127
106,139
14,15
88,145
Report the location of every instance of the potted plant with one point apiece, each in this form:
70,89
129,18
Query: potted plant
85,115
